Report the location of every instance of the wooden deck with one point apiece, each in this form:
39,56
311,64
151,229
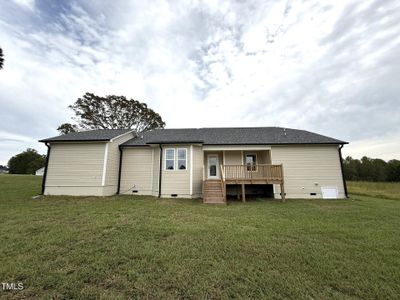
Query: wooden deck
214,191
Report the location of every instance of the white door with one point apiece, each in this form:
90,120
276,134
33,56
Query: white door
213,165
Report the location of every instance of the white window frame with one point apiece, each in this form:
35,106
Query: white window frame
177,159
254,167
165,159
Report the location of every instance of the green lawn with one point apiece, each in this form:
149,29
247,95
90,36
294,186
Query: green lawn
138,247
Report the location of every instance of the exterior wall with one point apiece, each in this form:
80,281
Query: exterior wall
176,181
112,166
198,160
141,169
40,172
75,169
233,158
156,170
76,190
137,171
307,169
263,157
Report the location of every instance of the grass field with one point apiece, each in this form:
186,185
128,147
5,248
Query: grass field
388,190
138,247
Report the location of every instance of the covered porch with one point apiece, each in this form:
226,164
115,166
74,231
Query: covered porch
226,168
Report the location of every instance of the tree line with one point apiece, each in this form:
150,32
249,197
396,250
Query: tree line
371,169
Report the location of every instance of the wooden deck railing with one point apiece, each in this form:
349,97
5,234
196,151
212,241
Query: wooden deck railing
252,172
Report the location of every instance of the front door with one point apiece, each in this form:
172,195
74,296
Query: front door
213,165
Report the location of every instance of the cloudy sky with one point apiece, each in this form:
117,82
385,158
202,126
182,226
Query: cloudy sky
332,67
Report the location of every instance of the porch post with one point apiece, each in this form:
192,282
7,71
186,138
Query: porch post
283,192
243,193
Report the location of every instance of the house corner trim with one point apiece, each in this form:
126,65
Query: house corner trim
103,179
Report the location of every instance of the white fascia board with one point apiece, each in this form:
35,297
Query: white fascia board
236,147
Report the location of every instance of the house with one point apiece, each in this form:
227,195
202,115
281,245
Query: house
208,163
3,170
40,172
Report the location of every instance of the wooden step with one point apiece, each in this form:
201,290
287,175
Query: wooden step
213,192
212,184
213,200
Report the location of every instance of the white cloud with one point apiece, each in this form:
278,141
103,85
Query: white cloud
329,67
30,4
385,147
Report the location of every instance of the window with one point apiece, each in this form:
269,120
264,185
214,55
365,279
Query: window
182,159
169,159
175,159
251,161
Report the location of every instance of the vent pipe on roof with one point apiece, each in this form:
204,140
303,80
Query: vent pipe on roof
284,131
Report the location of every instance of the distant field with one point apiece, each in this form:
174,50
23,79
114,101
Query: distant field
141,247
390,190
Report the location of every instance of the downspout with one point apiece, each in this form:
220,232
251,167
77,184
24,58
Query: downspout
45,168
160,173
119,170
341,168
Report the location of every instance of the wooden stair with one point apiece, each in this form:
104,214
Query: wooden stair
213,192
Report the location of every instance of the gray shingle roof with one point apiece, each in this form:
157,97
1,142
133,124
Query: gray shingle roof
91,135
232,136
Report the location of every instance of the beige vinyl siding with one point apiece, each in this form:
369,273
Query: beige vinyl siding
76,190
233,158
75,165
307,169
198,160
112,167
137,171
176,181
156,170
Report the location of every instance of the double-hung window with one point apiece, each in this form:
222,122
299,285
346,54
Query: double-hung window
181,159
170,159
175,159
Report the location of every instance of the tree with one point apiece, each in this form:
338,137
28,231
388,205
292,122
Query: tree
393,173
371,169
1,59
113,112
349,168
26,162
67,128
